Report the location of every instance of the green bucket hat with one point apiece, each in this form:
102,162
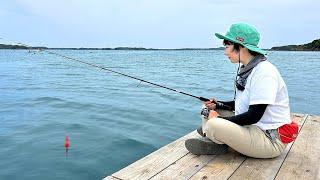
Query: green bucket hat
243,34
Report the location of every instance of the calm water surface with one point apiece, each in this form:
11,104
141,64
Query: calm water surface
112,120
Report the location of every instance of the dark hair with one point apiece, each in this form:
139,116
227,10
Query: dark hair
236,47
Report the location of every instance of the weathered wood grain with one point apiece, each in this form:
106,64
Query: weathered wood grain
220,167
155,162
185,167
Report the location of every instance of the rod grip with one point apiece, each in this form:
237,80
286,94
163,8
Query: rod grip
204,99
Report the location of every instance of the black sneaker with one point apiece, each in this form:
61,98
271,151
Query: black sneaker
204,146
199,130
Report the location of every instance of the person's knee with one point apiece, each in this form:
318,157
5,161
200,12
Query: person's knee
217,125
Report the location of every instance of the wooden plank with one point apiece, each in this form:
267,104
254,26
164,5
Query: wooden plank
185,167
110,178
220,167
303,159
264,168
155,162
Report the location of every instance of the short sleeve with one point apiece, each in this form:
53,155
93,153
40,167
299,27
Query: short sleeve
263,89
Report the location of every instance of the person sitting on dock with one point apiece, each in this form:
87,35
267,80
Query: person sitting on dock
260,105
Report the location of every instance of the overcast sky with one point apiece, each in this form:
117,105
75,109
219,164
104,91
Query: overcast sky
154,23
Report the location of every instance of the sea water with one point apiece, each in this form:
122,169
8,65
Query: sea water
112,120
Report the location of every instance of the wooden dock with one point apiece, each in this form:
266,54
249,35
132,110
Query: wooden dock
300,160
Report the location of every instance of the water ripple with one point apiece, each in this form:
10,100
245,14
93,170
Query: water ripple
113,120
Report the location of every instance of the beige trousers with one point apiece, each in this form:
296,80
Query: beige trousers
249,140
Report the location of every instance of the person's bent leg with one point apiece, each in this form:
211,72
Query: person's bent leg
248,140
202,129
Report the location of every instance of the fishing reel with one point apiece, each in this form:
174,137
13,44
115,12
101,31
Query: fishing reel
205,112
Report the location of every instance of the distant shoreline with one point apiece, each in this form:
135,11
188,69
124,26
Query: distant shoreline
312,46
20,47
5,46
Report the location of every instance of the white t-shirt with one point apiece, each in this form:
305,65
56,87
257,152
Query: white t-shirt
265,86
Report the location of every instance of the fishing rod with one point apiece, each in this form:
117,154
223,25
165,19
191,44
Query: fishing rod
116,72
126,75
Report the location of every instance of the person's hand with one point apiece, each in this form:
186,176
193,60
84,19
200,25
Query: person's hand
210,104
213,114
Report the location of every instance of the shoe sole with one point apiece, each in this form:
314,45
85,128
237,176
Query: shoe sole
200,147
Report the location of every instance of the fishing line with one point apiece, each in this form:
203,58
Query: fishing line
116,72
